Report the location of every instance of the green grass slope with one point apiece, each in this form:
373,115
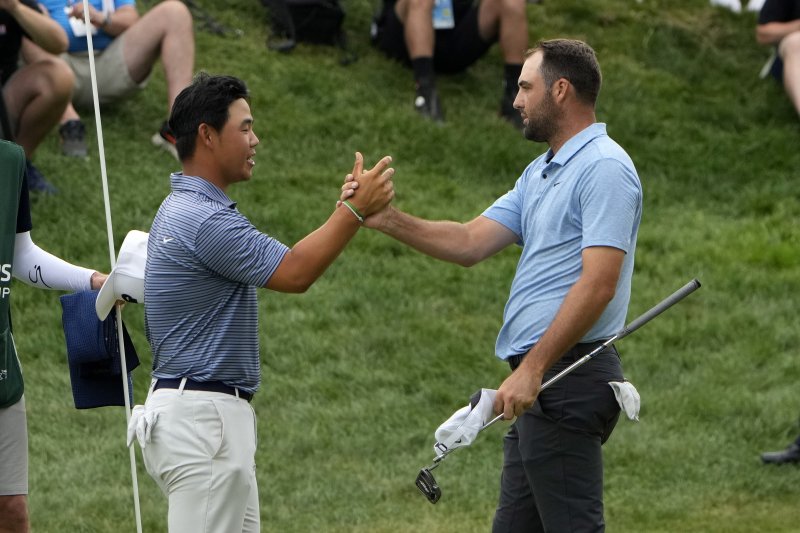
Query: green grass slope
359,371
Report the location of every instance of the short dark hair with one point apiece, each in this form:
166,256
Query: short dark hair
573,60
205,100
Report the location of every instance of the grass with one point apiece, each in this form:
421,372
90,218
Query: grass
359,371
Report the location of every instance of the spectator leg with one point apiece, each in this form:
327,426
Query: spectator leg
14,514
166,32
36,96
507,20
789,51
418,26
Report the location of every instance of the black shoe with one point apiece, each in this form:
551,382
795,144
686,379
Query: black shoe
789,455
36,181
427,102
73,138
507,110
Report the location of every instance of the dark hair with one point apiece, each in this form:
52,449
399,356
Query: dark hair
205,100
573,60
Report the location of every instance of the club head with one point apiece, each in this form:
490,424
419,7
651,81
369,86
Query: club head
427,485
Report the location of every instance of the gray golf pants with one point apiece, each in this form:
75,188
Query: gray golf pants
552,479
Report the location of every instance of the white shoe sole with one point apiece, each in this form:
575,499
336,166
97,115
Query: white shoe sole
161,142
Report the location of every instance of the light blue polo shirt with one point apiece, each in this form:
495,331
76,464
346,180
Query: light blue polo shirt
588,194
58,10
205,261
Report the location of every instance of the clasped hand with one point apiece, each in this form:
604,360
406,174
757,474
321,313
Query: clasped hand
374,186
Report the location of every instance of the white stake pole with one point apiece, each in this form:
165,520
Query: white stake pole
113,254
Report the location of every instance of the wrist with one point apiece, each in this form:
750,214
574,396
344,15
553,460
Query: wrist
96,280
106,21
353,209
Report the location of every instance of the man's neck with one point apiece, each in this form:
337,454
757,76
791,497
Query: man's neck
570,129
200,170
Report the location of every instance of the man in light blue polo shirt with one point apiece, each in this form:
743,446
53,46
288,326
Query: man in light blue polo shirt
205,261
575,211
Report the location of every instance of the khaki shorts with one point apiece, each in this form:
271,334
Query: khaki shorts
113,79
13,450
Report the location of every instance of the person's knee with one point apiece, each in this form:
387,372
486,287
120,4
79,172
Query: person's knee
174,13
415,6
789,47
57,80
513,7
62,78
492,13
14,513
50,78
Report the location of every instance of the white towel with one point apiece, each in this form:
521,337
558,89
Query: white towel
627,397
733,5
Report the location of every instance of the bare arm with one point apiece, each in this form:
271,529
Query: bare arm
311,256
42,30
116,23
772,32
583,305
462,243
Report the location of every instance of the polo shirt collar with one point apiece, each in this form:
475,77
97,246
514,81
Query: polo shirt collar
576,143
181,182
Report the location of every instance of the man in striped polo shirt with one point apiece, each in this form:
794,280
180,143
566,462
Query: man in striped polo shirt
205,261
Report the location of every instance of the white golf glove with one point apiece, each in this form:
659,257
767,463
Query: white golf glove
141,425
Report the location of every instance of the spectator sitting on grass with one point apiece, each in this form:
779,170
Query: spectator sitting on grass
126,47
36,94
431,37
779,26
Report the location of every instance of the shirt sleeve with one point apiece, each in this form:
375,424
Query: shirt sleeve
507,210
610,205
228,244
774,11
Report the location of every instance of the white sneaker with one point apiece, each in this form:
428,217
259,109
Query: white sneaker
755,5
733,5
164,139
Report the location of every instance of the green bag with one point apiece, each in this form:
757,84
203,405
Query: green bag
12,168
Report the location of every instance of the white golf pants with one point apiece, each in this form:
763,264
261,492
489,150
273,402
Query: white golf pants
202,454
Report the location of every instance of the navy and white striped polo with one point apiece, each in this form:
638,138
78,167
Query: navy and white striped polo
205,261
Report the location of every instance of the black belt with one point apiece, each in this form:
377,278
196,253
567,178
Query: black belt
208,386
572,355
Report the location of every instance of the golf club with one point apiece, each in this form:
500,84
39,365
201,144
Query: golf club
426,483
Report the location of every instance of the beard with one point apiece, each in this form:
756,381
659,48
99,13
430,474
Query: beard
542,123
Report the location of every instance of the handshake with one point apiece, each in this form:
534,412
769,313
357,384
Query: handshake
368,193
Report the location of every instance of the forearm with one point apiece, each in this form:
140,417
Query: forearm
312,255
772,32
581,308
38,268
444,240
42,30
117,22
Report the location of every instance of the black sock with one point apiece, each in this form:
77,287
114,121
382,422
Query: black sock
423,70
511,72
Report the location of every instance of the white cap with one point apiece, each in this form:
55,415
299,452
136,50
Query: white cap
126,281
